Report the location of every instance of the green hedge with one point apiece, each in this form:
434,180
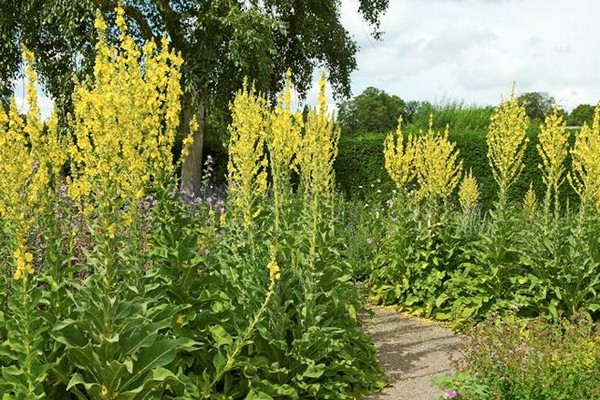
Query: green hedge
360,166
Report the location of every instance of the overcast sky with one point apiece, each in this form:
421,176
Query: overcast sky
473,50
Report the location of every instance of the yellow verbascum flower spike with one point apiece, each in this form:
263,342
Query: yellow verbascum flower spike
30,160
437,165
553,148
399,157
318,151
530,202
585,172
284,137
507,142
125,123
246,169
468,192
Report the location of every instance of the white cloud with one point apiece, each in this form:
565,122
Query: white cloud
475,49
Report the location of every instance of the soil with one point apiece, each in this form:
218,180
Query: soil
412,351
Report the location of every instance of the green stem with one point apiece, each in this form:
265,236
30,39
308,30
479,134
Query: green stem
27,347
239,344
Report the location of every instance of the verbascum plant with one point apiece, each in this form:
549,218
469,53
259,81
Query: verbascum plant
318,150
530,203
16,170
585,172
284,136
437,165
124,123
31,157
30,161
247,167
553,148
468,192
315,159
116,338
399,157
507,142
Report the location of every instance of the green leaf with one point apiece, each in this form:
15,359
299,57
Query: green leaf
160,354
314,371
254,395
441,299
77,379
221,336
351,312
219,362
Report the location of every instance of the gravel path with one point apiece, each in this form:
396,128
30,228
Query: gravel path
412,351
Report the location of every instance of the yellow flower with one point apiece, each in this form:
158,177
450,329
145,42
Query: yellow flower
247,161
399,158
23,262
124,122
530,202
585,173
274,270
31,156
553,148
316,154
284,138
468,192
507,142
437,164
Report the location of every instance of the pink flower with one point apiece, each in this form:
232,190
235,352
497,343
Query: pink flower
451,394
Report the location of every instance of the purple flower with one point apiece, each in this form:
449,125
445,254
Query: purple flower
452,394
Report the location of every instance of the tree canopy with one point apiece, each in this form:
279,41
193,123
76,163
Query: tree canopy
221,41
582,114
371,111
537,104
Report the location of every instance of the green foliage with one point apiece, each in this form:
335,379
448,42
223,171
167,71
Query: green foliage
416,258
459,267
461,386
582,114
24,371
360,167
454,113
537,104
563,260
361,228
509,359
372,111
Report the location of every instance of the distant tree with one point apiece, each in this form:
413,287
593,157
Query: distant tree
583,113
537,104
371,111
410,109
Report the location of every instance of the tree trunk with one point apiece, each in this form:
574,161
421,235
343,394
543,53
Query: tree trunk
191,167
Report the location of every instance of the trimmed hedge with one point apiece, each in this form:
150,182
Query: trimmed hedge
360,166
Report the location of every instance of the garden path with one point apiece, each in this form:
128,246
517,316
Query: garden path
412,351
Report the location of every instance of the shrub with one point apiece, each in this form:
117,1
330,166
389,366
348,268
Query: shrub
512,359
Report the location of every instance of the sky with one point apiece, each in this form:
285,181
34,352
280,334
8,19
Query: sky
473,51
